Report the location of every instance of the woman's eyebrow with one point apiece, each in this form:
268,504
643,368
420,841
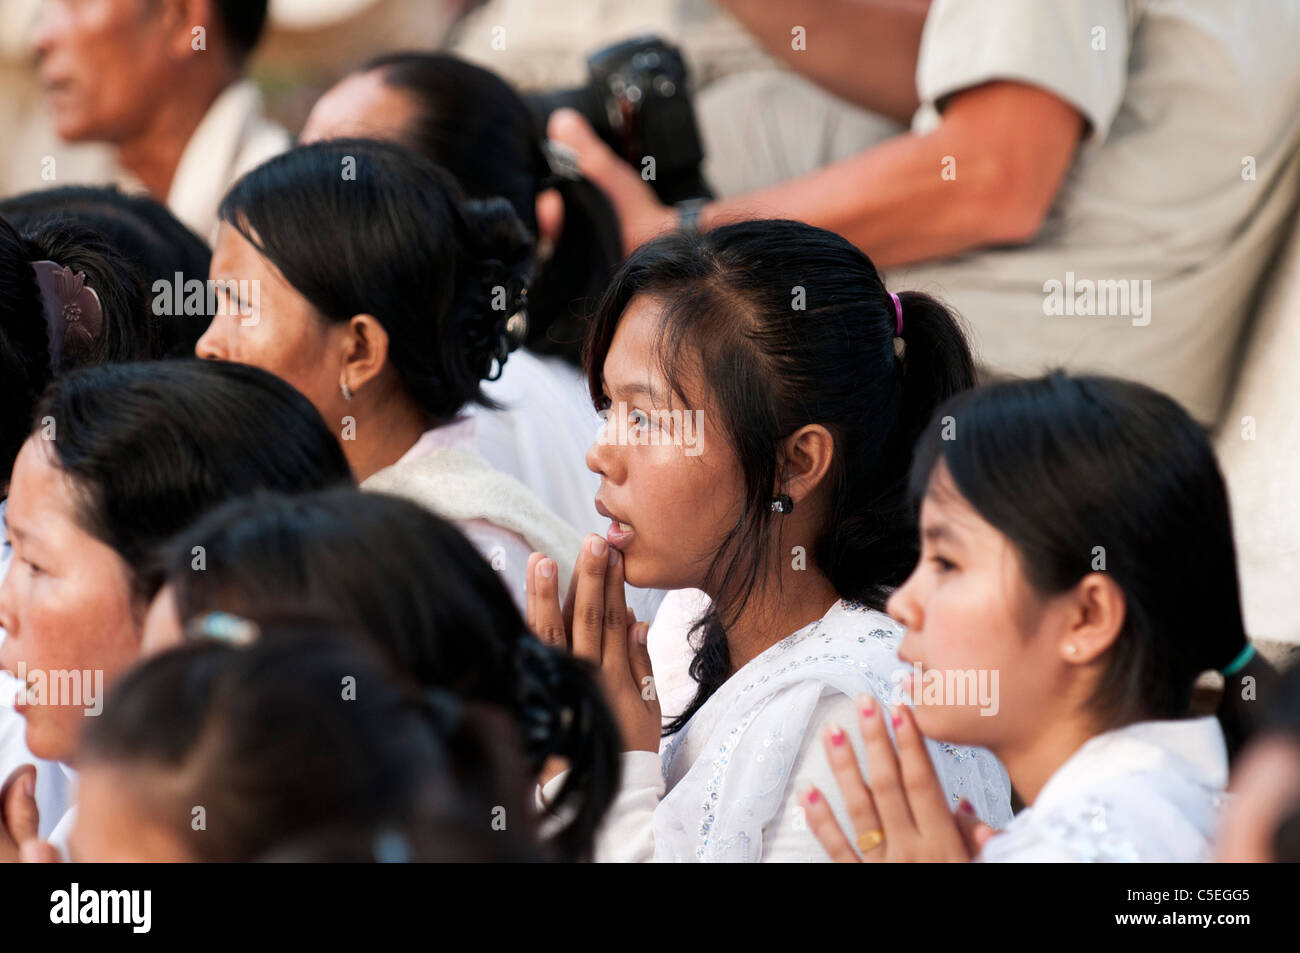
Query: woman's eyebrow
628,390
939,533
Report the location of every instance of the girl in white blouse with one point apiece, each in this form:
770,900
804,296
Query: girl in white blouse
762,392
1076,541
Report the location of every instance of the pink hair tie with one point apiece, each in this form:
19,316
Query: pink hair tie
898,313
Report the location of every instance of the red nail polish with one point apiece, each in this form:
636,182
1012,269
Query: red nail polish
967,807
896,719
837,737
868,709
812,796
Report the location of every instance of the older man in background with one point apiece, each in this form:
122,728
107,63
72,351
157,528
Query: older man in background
161,81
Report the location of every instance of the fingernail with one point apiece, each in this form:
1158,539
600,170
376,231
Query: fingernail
867,705
967,807
811,796
546,568
642,632
613,556
836,735
598,547
896,717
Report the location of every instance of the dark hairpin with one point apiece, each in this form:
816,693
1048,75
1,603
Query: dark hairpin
74,315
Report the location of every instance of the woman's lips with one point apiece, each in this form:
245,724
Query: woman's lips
619,535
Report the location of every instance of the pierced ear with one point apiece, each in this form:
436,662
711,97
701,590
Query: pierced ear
808,453
1099,611
365,350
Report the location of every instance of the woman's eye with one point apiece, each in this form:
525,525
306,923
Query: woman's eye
638,418
943,564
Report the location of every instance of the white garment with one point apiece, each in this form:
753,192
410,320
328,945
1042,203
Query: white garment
233,137
1149,792
668,643
502,518
541,434
732,773
1185,181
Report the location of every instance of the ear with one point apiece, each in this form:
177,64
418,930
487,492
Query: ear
808,454
364,343
1097,612
178,20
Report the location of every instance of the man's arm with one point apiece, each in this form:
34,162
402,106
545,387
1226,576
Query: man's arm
987,175
861,50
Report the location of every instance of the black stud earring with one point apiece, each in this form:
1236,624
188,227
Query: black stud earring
782,504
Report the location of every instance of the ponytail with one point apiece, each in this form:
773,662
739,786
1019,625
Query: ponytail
572,279
1247,691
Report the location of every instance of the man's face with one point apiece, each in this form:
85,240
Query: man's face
104,63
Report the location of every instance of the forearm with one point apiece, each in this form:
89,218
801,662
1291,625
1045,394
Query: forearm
975,180
861,50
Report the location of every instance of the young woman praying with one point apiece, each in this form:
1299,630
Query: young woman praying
812,383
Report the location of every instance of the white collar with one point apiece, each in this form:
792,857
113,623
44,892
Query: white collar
1192,748
208,160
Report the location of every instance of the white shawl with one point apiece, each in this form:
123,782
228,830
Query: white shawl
461,486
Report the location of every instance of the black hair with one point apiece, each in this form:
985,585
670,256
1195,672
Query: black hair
791,325
153,446
305,731
25,368
471,122
242,23
414,584
1076,469
364,227
152,240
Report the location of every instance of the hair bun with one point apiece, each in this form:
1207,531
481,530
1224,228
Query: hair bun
499,271
545,699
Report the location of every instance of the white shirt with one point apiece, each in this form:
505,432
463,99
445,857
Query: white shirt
1185,180
233,137
1149,792
724,787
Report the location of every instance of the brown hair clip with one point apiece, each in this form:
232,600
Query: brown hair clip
74,315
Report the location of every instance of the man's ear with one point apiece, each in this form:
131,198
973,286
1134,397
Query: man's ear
1097,613
179,18
808,454
364,343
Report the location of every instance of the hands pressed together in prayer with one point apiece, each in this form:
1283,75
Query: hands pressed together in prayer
903,814
596,625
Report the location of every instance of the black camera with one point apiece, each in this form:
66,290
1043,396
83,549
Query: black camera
636,98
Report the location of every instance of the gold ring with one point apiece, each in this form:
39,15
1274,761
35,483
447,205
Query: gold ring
868,840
